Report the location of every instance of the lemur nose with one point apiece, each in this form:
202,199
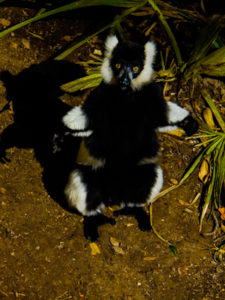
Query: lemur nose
125,81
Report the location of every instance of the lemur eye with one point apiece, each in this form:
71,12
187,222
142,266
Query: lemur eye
135,69
118,66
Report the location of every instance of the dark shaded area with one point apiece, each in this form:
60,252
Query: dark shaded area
38,111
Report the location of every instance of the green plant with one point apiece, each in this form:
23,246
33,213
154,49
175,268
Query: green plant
213,152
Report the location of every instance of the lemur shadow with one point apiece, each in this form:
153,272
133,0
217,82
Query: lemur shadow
38,110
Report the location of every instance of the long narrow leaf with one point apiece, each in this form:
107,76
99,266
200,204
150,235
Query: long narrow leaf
71,6
193,166
112,24
206,37
213,64
82,83
205,40
169,31
208,196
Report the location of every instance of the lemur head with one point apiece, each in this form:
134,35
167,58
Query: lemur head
127,64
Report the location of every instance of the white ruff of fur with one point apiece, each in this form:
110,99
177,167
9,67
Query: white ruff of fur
146,74
157,185
76,194
75,119
106,70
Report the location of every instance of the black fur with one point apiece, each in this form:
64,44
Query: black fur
123,123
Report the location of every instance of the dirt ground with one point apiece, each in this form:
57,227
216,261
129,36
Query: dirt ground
43,253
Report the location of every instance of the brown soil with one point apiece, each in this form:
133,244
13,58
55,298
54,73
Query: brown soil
43,252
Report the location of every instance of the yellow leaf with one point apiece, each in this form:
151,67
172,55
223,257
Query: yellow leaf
149,258
114,242
222,227
118,249
204,171
94,249
173,181
183,202
208,117
2,190
222,212
177,132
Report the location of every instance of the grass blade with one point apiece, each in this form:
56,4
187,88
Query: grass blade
208,197
71,6
117,21
169,32
206,37
82,83
171,247
213,64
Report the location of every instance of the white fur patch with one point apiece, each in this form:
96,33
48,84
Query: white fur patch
167,128
76,192
176,113
146,74
106,70
83,133
157,185
75,119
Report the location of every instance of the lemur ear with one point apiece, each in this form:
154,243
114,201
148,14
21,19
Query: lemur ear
145,76
110,43
150,52
106,70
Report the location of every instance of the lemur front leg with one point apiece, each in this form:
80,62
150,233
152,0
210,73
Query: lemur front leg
75,124
179,117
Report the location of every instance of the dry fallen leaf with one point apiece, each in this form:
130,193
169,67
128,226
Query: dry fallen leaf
197,107
222,227
222,213
5,23
97,52
183,202
113,241
2,190
116,246
173,181
204,171
26,43
94,249
177,132
149,258
208,117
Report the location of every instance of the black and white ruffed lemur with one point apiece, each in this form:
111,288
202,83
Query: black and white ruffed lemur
118,124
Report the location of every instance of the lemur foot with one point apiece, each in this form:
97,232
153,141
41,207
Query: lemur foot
91,224
140,215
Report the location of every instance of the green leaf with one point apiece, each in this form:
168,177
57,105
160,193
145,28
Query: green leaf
83,83
213,64
206,37
71,6
173,249
168,30
117,21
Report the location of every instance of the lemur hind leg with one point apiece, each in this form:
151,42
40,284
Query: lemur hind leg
138,213
86,191
141,185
